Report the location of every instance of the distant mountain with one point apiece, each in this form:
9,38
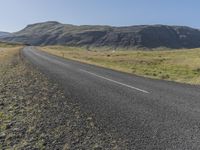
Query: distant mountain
149,36
5,34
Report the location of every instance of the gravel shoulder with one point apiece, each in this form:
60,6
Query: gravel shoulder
35,114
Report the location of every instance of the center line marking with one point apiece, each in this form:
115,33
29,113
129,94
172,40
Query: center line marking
126,85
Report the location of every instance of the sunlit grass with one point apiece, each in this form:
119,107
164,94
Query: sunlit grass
176,65
7,53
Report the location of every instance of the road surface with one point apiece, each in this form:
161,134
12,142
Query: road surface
147,113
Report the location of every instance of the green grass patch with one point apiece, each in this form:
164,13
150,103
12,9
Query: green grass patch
4,119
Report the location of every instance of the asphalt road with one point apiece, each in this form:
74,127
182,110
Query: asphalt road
147,113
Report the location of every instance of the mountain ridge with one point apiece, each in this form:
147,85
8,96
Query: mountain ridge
4,34
147,36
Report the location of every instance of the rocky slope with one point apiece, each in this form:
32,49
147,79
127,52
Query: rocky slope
149,36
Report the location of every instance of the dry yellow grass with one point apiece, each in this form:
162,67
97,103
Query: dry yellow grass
175,65
7,53
8,50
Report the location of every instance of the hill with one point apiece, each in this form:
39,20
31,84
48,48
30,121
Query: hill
148,36
5,34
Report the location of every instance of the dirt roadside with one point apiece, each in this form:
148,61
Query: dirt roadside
35,114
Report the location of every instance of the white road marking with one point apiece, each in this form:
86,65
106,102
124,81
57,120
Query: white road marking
126,85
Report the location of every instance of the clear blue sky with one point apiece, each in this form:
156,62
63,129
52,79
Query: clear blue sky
16,14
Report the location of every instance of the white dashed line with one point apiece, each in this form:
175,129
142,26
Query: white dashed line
126,85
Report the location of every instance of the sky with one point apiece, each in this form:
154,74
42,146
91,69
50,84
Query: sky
16,14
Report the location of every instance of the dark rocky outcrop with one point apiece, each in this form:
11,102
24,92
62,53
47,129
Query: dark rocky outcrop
149,36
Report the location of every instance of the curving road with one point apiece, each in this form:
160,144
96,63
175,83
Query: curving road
147,113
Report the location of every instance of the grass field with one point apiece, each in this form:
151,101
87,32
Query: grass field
7,51
9,45
175,65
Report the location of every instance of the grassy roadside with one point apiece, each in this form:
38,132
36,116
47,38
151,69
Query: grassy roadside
35,114
174,65
9,45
